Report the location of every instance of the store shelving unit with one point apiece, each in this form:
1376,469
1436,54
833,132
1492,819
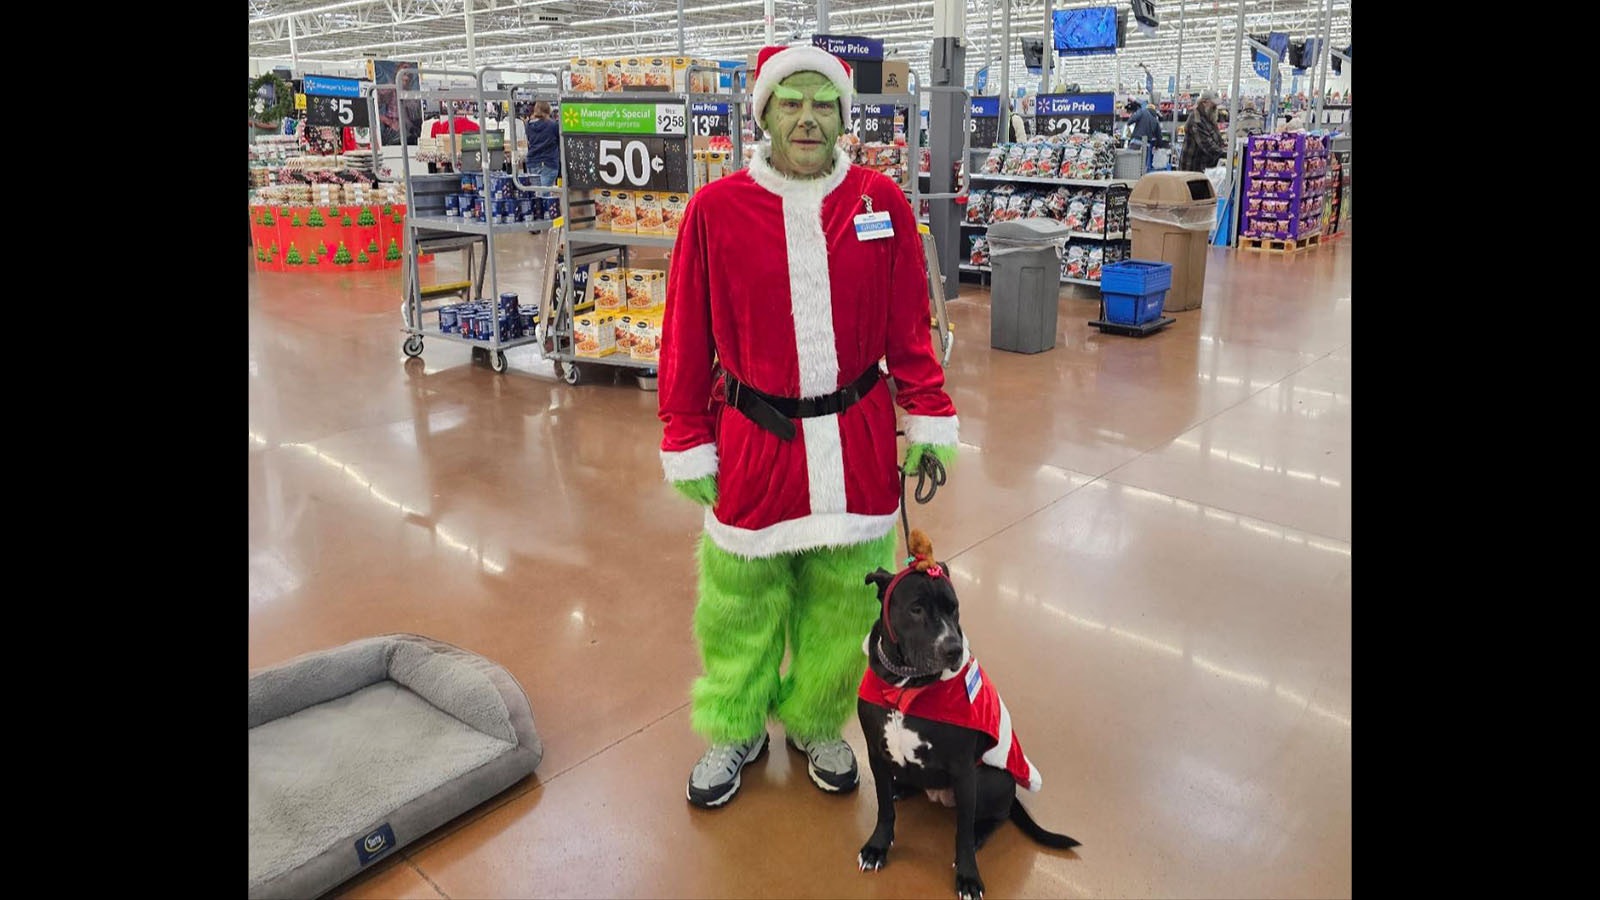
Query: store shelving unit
1286,176
583,245
1116,190
429,233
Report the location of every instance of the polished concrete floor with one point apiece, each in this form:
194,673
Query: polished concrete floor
1151,539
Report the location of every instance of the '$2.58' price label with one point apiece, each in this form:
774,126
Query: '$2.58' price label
669,119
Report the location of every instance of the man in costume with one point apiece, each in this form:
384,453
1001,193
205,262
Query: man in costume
789,281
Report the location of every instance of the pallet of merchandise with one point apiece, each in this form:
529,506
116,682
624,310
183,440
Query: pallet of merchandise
1279,245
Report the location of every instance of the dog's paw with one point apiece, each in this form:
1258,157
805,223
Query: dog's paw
969,887
871,858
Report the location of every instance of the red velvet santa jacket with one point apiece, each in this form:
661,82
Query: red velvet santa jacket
769,279
966,698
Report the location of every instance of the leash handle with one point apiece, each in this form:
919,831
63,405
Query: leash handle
931,476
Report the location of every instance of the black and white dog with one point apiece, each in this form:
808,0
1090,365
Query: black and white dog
933,721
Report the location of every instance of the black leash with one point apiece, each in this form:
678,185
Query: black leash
930,477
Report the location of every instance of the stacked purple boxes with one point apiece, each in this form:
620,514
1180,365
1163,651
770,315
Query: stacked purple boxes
1285,178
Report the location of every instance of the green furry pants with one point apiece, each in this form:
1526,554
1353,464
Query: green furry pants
816,600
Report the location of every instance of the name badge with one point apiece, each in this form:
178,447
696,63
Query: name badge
873,225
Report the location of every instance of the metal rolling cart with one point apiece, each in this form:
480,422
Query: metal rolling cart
427,230
631,140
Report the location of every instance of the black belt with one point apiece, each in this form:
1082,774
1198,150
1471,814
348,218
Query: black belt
774,414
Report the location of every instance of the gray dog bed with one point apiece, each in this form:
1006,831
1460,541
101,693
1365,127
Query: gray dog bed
362,749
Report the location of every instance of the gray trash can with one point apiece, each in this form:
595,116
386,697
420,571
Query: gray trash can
1025,256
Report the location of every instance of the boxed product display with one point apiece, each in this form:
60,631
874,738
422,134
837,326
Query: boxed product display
610,289
647,290
673,207
657,73
595,333
622,328
645,337
613,71
585,75
602,210
624,218
633,74
649,212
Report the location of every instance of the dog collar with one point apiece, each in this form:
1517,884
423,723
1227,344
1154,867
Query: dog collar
933,571
898,671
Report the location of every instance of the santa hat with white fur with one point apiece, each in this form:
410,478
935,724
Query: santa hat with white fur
774,64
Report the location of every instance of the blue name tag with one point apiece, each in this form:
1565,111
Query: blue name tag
872,226
375,844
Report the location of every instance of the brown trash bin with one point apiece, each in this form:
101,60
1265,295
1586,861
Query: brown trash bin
1172,214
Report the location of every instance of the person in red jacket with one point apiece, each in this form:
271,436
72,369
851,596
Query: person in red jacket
789,282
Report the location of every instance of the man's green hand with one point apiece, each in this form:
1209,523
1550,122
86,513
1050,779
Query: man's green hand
701,490
945,453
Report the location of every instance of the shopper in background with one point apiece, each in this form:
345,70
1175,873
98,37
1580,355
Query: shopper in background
790,280
1018,132
1202,141
544,145
1144,126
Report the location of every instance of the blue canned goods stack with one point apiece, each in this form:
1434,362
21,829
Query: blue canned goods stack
477,208
525,209
508,302
452,206
449,319
472,182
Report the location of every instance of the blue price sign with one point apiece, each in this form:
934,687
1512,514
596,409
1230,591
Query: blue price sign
335,102
849,46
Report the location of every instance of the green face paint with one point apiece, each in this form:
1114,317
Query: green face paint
803,121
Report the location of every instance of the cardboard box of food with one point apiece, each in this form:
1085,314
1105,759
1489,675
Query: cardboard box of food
610,290
648,210
673,207
658,73
595,333
644,337
633,74
647,290
622,330
613,70
896,77
602,210
585,74
624,217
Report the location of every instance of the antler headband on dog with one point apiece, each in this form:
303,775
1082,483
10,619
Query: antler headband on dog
920,560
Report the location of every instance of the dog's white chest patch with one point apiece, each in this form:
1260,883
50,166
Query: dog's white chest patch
903,742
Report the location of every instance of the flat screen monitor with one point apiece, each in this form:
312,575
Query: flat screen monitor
1090,29
1033,54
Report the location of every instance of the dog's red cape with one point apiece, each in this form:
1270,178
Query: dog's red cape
966,699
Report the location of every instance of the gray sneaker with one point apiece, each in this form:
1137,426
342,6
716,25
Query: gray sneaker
832,764
715,778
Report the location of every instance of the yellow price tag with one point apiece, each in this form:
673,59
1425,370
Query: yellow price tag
300,101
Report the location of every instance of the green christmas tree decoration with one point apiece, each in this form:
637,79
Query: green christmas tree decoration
283,213
393,252
266,217
294,258
363,258
316,220
373,247
261,255
388,209
397,218
322,248
367,218
296,222
314,260
333,213
342,258
345,221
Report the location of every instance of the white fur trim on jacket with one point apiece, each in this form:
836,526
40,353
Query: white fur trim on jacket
815,530
801,59
687,465
810,190
824,463
941,430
